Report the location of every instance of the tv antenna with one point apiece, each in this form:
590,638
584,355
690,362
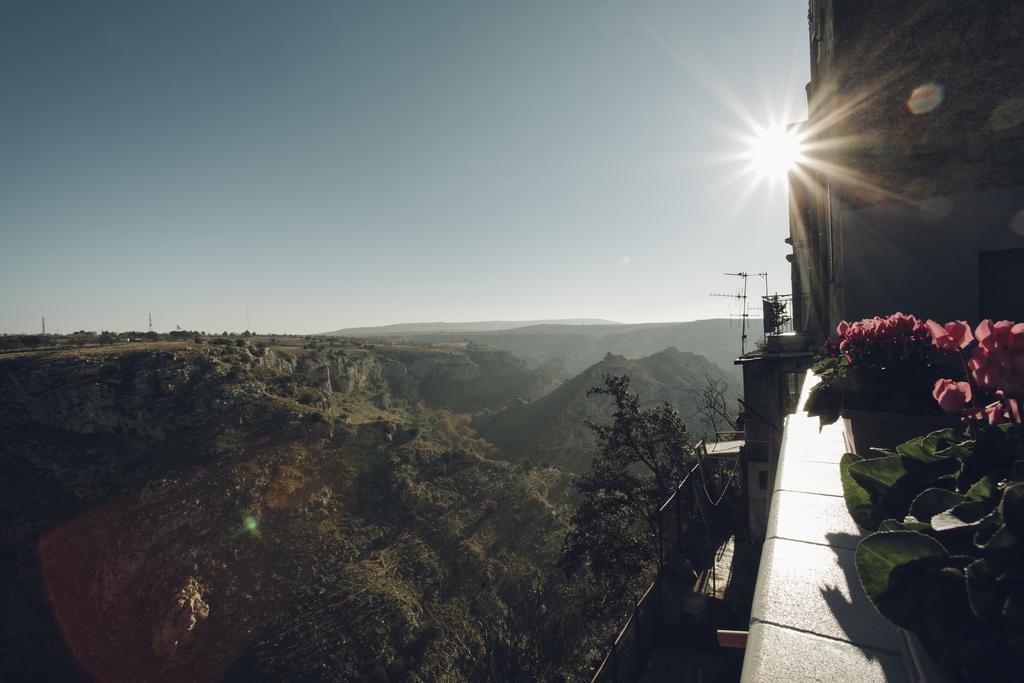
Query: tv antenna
44,325
150,320
742,298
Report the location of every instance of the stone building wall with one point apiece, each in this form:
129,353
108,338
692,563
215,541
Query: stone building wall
917,157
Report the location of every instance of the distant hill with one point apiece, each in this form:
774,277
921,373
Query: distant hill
567,349
552,429
459,328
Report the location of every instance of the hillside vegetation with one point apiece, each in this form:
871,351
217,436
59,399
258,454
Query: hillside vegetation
302,509
174,511
553,429
565,350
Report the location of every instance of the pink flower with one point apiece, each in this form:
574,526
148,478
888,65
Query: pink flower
1016,341
883,342
950,337
1013,409
952,396
995,413
998,370
993,337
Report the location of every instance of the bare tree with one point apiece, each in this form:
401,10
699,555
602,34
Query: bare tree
712,408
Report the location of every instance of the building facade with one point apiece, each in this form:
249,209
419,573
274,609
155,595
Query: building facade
912,194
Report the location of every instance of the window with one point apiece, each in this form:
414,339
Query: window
999,277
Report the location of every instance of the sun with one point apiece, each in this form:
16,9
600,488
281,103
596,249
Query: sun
775,151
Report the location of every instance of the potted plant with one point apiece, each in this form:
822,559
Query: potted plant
878,373
946,561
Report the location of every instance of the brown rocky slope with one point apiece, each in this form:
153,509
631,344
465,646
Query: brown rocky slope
179,511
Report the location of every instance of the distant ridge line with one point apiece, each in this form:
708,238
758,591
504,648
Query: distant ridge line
456,327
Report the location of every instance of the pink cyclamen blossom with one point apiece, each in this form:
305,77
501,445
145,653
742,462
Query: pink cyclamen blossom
882,341
995,413
997,336
1001,370
952,336
1016,337
952,396
1013,410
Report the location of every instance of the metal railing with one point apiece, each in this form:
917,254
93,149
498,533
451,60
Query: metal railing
685,528
778,313
632,646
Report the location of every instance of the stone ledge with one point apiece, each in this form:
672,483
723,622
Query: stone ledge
810,618
781,654
813,518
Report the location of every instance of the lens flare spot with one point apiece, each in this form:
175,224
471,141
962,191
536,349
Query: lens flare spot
926,98
252,525
935,209
1008,114
1017,223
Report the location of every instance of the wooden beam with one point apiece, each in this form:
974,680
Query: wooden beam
734,639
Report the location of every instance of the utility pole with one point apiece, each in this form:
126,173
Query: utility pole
151,320
44,325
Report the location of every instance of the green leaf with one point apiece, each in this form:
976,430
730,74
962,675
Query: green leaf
882,552
908,524
958,451
948,434
824,402
878,475
914,583
933,501
1013,620
1002,541
987,529
826,365
933,456
921,448
931,472
1012,508
983,490
858,500
962,515
983,592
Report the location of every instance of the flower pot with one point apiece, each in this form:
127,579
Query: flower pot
867,429
920,667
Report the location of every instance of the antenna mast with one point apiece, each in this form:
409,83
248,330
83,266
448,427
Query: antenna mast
744,315
44,325
150,320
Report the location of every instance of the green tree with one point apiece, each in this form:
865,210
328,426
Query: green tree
640,458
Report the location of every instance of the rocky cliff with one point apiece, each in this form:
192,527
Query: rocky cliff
174,511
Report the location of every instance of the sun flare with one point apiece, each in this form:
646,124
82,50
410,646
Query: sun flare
774,152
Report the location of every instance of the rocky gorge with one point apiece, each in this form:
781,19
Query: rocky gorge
176,511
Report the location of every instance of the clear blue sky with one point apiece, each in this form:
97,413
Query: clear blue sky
332,164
